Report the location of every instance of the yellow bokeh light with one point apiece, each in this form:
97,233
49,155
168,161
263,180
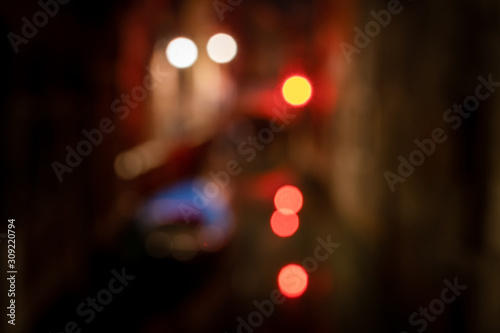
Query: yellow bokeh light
297,90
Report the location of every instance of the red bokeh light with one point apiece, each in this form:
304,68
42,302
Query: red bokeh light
284,223
292,280
288,198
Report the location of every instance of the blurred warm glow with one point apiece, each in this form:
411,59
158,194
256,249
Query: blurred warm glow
164,102
221,48
297,90
284,223
184,247
292,280
128,165
288,198
141,159
182,52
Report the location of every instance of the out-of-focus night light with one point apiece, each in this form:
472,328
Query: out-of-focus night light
292,280
140,159
288,198
128,165
221,48
184,247
182,52
284,223
297,90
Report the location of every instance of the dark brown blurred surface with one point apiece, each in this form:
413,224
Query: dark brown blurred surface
396,247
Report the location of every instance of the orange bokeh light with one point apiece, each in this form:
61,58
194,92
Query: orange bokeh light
292,280
284,223
288,198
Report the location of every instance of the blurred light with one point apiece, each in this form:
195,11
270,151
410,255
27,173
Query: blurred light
221,48
158,244
141,159
184,247
292,280
297,90
182,52
284,223
288,198
188,202
128,165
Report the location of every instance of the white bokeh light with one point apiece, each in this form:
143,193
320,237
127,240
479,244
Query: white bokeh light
221,48
182,52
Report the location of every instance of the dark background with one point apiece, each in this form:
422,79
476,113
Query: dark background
396,247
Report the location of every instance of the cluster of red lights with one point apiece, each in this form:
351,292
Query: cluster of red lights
288,200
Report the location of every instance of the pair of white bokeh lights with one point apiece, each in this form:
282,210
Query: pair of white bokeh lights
182,52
